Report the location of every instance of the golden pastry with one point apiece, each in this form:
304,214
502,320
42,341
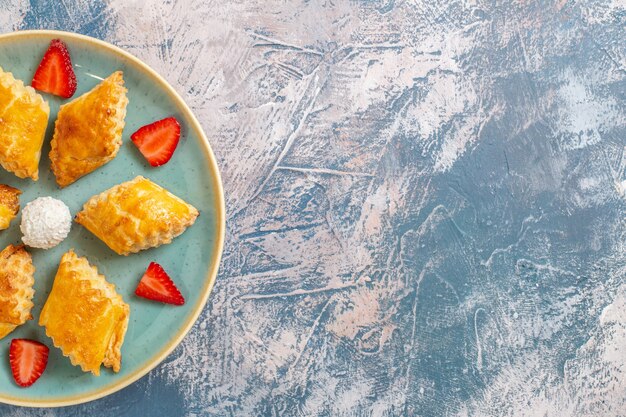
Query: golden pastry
84,316
136,215
88,131
9,205
23,121
16,288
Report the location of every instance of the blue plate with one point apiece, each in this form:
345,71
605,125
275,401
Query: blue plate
192,259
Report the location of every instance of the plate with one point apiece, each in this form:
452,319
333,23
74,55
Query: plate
192,259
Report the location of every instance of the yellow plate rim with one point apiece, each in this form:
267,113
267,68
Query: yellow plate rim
219,209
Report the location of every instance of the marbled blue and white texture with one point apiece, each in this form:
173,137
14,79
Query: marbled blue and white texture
426,204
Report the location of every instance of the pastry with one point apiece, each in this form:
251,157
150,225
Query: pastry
136,215
84,316
16,288
9,205
23,121
88,131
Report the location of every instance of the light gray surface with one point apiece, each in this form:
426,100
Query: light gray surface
426,204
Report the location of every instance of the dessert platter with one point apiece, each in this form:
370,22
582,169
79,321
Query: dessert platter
111,219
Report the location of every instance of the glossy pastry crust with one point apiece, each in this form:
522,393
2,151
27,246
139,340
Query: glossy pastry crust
16,288
84,316
23,121
88,130
136,215
9,205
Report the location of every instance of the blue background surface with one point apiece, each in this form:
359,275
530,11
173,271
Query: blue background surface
426,204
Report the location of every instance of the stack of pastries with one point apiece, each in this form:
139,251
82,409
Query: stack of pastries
83,315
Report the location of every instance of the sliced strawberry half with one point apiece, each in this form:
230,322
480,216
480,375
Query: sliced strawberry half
157,141
157,285
55,74
28,360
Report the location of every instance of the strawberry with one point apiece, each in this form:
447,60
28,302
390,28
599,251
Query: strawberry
55,74
157,285
28,360
157,141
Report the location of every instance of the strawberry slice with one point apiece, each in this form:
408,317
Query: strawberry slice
55,74
157,141
28,360
157,285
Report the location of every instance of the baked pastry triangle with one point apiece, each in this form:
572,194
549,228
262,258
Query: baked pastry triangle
84,316
88,130
16,288
9,205
23,121
136,215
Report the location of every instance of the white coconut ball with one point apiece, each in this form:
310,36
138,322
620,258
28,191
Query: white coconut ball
46,221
